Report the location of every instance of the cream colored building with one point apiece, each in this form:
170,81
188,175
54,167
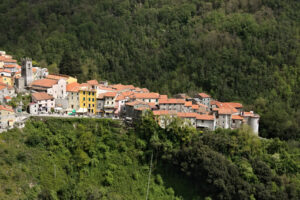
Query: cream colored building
7,117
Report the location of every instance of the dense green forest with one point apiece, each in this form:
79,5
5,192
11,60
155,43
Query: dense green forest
242,50
103,159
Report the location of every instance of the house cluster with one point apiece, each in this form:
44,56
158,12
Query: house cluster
11,83
63,94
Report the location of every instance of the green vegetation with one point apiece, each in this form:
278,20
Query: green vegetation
74,159
100,159
242,50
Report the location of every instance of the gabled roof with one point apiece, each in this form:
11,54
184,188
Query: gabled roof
39,96
234,104
47,83
187,115
206,117
204,95
151,95
73,87
171,101
10,66
122,87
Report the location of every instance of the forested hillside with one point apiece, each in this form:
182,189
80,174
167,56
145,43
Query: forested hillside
101,159
245,50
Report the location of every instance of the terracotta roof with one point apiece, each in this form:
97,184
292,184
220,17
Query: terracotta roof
187,115
188,104
5,70
39,96
133,103
48,83
120,97
86,87
204,95
122,87
223,111
205,117
171,101
6,108
237,117
57,76
127,93
151,95
195,107
73,87
7,59
164,112
10,66
234,104
110,94
7,97
93,82
34,70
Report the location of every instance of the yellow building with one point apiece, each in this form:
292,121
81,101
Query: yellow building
6,80
87,99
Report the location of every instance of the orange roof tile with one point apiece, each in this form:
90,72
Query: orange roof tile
122,87
10,66
6,108
237,117
7,97
73,87
234,104
151,95
93,82
39,96
120,97
206,117
48,83
204,95
133,103
57,76
188,104
34,70
187,115
195,107
110,94
171,101
5,70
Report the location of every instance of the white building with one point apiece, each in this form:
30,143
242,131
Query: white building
41,103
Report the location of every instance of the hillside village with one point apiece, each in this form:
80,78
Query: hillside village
62,94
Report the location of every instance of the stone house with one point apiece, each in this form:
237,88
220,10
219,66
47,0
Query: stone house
55,88
41,103
6,91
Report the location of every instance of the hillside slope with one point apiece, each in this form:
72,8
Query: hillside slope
234,49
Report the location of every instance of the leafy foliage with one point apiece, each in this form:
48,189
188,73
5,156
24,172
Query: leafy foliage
234,49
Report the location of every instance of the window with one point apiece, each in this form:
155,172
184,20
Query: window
93,105
84,104
202,121
83,98
83,92
93,93
89,105
89,99
93,99
89,93
233,121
